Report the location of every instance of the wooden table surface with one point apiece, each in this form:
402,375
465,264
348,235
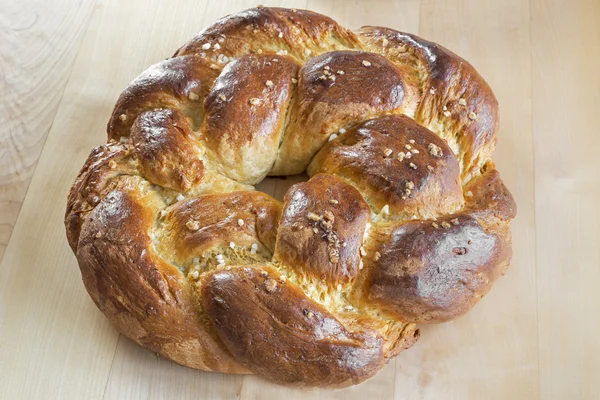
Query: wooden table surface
536,335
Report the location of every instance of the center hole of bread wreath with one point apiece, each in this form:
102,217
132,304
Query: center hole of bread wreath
277,186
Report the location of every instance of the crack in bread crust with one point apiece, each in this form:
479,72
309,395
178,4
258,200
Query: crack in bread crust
404,220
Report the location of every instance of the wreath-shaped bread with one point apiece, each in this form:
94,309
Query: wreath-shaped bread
404,220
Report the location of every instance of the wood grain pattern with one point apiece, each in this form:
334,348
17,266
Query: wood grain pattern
37,52
566,88
534,336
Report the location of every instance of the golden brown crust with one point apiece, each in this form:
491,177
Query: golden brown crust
322,228
301,343
299,33
436,270
94,181
456,102
487,195
143,296
214,222
404,220
395,162
181,83
245,115
433,273
167,150
332,95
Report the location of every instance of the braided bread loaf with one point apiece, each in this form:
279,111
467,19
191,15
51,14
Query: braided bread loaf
404,220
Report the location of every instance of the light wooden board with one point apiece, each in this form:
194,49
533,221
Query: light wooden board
534,336
566,89
37,50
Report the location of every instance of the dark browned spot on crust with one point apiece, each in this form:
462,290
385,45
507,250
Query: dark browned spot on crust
319,236
267,327
459,251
